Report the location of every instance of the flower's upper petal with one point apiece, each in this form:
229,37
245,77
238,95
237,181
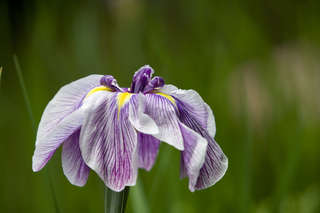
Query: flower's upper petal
162,110
141,121
46,146
168,89
192,109
193,155
67,100
197,115
73,165
108,141
148,147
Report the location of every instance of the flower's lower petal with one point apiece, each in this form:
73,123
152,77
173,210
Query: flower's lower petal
108,143
214,167
197,115
193,155
148,147
46,146
74,167
67,100
161,109
141,121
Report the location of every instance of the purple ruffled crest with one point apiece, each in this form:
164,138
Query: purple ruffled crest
115,131
142,81
110,82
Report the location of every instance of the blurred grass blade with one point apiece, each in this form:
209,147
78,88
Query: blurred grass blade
246,190
24,92
0,75
115,202
29,109
139,201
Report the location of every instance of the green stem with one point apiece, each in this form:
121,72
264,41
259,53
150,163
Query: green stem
115,202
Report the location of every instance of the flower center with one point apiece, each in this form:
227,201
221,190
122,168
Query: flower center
142,81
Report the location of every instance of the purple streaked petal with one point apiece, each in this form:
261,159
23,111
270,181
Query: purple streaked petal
67,100
73,165
163,112
141,121
193,155
148,147
108,143
46,146
214,167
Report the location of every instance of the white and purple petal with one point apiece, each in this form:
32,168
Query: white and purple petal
108,142
47,145
62,117
214,167
197,115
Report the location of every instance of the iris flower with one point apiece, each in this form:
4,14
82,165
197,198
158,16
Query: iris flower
114,131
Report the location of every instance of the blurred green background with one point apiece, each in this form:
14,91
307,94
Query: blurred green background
256,63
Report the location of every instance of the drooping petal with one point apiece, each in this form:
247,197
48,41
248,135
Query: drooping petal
73,164
197,115
193,155
108,141
162,110
46,146
67,100
214,167
141,121
148,147
47,142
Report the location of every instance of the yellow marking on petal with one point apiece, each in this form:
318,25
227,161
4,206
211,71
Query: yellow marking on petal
170,98
122,99
96,89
